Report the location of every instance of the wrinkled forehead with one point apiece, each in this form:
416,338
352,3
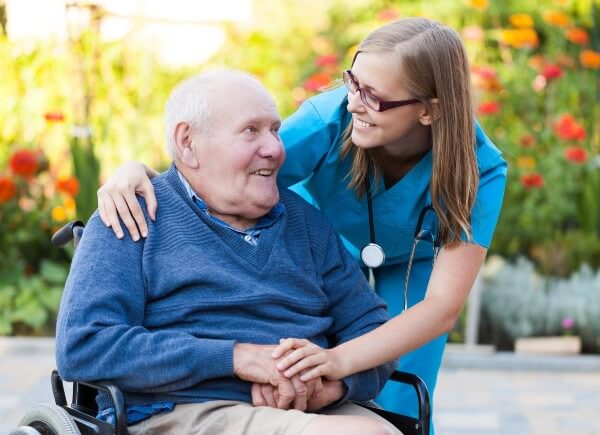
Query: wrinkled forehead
243,99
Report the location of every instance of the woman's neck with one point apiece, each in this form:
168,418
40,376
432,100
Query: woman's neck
396,167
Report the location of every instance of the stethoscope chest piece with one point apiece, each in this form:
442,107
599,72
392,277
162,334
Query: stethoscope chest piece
372,255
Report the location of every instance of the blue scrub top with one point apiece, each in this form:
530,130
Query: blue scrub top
312,137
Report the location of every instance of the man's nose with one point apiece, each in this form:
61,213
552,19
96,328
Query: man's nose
271,146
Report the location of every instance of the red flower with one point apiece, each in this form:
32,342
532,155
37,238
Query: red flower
54,117
527,140
7,189
24,163
316,82
68,185
532,181
576,155
489,108
567,128
326,59
388,14
552,72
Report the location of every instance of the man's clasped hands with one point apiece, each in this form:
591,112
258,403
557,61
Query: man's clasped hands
296,374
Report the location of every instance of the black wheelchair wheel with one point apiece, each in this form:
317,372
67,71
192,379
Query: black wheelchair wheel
47,419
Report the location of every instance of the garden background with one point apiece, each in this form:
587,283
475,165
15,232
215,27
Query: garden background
75,105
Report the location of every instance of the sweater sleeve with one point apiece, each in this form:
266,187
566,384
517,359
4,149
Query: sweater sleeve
100,329
355,310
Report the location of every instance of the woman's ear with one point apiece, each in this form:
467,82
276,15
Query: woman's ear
184,145
430,112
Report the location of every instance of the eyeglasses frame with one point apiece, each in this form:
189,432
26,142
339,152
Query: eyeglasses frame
383,105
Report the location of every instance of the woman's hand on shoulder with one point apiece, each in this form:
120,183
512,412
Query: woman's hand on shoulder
116,198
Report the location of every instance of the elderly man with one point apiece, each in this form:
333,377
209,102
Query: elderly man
185,321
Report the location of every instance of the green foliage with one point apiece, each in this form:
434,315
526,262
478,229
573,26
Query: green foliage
87,171
32,273
517,302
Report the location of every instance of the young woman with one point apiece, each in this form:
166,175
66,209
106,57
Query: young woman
397,143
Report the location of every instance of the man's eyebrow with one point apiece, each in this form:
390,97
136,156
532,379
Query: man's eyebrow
259,120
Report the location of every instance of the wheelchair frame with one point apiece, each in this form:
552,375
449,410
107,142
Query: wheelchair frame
83,407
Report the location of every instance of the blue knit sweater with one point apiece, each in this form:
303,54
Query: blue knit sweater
160,317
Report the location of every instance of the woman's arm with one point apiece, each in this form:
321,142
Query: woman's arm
451,280
117,195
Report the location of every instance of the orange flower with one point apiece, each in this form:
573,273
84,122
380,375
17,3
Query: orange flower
527,140
520,38
485,78
54,117
525,162
590,59
317,81
567,128
537,61
576,155
578,36
24,163
7,189
552,72
68,185
479,4
556,18
520,20
488,108
533,180
564,60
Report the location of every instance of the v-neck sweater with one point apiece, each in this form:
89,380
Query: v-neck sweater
160,317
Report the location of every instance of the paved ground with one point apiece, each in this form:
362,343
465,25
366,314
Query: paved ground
479,392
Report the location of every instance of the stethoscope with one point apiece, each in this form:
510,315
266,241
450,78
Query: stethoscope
373,255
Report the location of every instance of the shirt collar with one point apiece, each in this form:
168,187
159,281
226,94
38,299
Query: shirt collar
265,221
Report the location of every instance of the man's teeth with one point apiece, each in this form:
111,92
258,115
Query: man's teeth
362,123
263,172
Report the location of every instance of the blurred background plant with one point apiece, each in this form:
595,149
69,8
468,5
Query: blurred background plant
535,70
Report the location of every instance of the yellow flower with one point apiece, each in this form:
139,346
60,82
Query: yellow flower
59,214
590,59
521,20
479,4
556,18
525,162
69,205
520,38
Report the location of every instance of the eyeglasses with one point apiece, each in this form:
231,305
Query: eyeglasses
370,100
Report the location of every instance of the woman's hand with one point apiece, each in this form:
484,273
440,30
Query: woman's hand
116,198
301,356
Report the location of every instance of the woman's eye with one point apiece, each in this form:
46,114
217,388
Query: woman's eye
251,129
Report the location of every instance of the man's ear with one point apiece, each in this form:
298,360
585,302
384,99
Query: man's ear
430,112
184,146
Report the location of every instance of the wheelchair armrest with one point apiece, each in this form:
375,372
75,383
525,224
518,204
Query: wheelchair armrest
409,425
421,390
70,231
114,392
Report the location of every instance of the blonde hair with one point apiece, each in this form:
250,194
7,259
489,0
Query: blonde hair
434,65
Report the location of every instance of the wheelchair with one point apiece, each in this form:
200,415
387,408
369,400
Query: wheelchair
79,417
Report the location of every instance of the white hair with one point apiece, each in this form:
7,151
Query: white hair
193,99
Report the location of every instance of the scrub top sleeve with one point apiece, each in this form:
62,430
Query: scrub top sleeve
309,134
488,203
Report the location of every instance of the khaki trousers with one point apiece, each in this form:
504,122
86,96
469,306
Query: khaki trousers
236,418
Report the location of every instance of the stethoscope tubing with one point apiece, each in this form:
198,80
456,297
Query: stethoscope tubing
374,249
